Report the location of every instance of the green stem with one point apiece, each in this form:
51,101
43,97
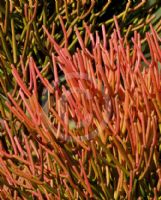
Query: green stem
14,46
4,46
6,17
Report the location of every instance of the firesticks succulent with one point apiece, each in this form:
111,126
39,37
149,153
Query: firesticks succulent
100,138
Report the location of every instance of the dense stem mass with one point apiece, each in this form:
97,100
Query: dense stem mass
98,134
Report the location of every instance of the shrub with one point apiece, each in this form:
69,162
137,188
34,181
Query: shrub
98,135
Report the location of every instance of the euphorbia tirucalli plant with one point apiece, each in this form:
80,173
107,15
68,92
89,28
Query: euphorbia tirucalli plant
99,137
